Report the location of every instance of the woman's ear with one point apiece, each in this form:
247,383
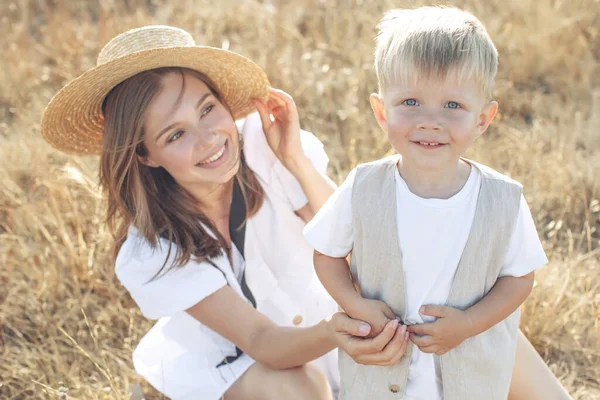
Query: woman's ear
379,110
147,161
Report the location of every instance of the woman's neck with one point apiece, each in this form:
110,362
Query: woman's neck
214,200
440,183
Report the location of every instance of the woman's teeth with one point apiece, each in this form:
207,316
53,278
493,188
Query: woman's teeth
214,157
428,144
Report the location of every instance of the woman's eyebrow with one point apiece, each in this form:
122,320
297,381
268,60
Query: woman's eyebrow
204,96
168,128
165,130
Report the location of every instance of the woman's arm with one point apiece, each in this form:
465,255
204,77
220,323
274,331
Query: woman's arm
280,121
316,186
228,314
286,347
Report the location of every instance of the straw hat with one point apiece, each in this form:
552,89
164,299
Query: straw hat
73,120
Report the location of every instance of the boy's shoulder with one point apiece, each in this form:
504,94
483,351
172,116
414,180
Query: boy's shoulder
380,169
390,160
491,174
370,173
370,179
379,165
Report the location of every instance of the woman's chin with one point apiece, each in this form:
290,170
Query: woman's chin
218,176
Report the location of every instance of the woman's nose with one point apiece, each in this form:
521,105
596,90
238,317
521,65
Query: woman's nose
204,139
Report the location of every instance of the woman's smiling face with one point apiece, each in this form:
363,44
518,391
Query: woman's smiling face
190,133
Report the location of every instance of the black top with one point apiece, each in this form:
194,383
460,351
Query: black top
237,231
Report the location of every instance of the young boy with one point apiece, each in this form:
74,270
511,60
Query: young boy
448,244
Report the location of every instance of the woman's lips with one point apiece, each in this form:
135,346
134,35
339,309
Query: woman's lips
216,159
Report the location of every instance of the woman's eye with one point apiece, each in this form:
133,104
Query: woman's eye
410,102
207,110
453,104
175,136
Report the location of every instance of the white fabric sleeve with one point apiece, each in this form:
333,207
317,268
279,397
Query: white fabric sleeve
313,148
264,163
330,232
171,292
525,252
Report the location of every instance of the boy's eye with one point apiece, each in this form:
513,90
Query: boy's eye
452,104
410,102
207,110
174,136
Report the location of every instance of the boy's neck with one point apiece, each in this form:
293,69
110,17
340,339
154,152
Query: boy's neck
440,183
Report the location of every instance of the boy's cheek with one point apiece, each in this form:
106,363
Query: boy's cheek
397,143
399,121
397,131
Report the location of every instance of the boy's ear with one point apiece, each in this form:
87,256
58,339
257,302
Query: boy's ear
488,113
379,110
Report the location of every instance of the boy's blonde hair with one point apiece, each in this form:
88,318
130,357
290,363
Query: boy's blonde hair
429,42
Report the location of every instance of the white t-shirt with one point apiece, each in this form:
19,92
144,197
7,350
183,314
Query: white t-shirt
432,235
179,355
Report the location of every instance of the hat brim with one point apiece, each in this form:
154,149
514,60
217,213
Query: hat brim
73,120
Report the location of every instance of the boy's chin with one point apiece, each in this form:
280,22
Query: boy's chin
430,162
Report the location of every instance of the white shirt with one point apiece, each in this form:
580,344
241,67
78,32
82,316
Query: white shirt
432,235
179,355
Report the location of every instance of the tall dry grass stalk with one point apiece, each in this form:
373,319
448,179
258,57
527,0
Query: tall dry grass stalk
67,328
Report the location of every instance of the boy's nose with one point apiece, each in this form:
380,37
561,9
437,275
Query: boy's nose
429,122
429,126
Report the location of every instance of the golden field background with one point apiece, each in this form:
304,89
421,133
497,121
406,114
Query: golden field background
67,328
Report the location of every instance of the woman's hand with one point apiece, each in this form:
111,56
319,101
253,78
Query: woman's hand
283,130
387,348
375,313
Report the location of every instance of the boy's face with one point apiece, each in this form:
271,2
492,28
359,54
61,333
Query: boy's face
432,123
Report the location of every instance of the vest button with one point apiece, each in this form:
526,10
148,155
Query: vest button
298,319
394,388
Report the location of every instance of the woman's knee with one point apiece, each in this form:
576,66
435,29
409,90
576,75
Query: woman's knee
532,379
262,382
305,382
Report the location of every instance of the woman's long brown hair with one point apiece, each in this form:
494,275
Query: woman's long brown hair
149,198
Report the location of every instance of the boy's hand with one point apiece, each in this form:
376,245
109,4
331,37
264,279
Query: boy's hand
374,312
452,327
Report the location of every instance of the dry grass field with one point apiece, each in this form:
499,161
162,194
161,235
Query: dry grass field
67,328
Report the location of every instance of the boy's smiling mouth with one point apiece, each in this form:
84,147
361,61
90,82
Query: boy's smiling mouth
428,144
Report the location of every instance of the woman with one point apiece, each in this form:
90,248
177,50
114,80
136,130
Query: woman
208,220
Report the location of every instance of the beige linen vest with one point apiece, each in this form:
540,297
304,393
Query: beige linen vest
481,367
